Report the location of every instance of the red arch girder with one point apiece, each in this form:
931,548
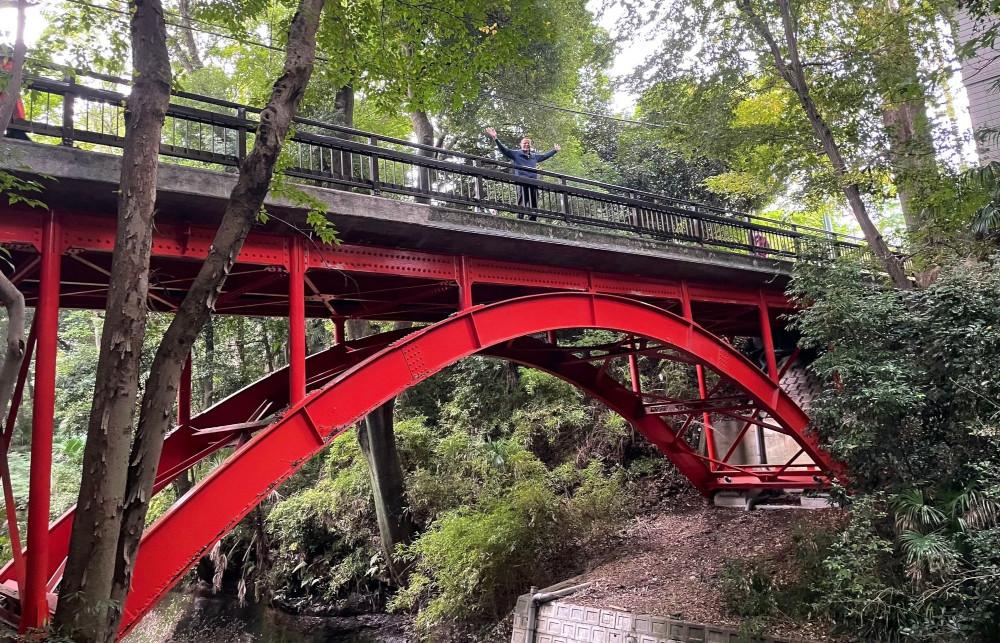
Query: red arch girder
564,362
186,446
179,538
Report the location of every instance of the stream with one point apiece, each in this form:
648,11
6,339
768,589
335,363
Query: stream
197,618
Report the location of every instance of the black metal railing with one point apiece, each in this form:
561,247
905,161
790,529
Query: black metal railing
208,132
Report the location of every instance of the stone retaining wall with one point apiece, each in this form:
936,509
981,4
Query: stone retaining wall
560,622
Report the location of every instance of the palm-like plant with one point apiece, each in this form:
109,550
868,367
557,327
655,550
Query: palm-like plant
986,219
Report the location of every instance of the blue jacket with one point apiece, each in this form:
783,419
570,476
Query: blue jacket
521,159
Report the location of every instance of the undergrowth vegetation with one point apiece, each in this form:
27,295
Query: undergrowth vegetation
510,474
912,410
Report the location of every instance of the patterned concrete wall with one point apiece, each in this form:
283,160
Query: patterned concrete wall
560,622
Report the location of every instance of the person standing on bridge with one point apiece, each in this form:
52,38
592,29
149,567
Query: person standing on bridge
525,162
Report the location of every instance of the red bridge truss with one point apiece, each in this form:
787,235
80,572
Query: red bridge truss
523,312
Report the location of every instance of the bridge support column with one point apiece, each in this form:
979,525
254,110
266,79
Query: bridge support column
34,605
339,330
633,369
296,321
702,387
464,283
772,364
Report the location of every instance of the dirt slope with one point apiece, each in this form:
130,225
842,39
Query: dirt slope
667,562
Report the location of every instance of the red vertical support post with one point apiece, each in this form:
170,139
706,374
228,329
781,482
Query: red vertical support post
765,333
34,606
339,330
633,369
702,388
552,337
297,321
772,363
464,283
184,395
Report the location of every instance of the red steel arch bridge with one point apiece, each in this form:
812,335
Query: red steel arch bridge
429,236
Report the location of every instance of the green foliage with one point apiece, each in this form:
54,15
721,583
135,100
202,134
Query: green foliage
913,415
475,558
748,593
916,401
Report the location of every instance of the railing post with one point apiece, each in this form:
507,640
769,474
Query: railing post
564,199
68,99
34,605
373,166
634,211
241,134
477,182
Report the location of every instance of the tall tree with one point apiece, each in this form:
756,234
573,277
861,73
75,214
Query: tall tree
789,65
84,612
106,540
10,296
377,439
245,203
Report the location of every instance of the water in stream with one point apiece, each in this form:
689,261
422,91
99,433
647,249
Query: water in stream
184,618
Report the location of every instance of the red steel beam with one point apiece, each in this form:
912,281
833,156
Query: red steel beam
175,542
765,329
296,320
700,372
34,606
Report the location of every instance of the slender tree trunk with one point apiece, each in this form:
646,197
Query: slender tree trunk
268,350
423,130
241,351
208,379
13,90
10,296
791,71
13,301
245,202
343,106
192,57
377,439
84,612
913,160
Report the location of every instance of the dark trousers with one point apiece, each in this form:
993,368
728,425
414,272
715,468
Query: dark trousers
527,197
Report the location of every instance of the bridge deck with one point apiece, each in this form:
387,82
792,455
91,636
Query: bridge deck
398,260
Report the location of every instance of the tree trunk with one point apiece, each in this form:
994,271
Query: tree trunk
84,613
913,157
423,130
912,154
13,301
377,439
192,59
245,202
10,296
208,379
13,92
791,71
268,350
343,106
